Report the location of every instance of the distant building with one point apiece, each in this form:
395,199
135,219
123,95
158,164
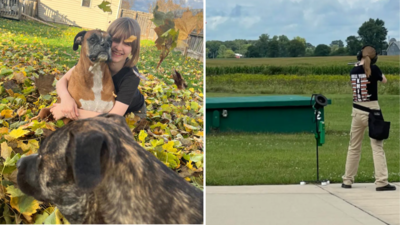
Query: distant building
238,56
394,48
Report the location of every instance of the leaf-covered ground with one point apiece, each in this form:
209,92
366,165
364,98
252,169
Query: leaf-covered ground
32,54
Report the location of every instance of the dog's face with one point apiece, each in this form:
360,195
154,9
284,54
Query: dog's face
96,45
71,161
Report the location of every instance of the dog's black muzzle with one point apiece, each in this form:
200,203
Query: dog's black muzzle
100,52
28,175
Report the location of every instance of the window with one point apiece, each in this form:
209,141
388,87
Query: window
86,3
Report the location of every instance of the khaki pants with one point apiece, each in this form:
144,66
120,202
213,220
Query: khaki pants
358,126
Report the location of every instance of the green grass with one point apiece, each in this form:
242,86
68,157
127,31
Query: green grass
299,61
266,158
294,84
58,39
299,66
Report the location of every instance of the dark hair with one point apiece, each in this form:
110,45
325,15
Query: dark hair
123,28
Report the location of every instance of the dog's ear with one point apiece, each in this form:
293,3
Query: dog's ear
85,152
78,40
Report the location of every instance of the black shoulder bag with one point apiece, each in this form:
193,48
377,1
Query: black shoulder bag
378,128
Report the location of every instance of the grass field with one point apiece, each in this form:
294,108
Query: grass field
265,158
299,66
293,84
268,158
299,61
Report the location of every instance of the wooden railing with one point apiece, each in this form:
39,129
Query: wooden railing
11,9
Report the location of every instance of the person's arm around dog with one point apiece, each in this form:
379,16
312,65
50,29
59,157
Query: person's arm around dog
125,51
68,107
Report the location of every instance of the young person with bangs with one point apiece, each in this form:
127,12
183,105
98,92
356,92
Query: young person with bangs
364,77
124,56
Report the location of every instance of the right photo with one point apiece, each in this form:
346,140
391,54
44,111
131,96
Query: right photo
302,112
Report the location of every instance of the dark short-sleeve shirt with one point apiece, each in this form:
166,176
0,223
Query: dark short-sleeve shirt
362,90
126,88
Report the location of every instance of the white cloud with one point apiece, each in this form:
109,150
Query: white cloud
214,22
249,21
319,22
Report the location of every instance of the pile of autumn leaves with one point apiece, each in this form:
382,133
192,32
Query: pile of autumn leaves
174,132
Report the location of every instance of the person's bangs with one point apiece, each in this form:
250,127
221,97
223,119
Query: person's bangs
120,35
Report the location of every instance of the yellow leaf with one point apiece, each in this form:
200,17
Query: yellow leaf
199,164
7,114
32,146
169,146
5,150
189,164
142,135
191,89
10,92
3,130
131,39
26,205
200,133
16,133
187,179
60,219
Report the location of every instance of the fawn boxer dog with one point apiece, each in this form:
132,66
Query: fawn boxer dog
90,83
95,172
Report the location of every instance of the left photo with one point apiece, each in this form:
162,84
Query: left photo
101,112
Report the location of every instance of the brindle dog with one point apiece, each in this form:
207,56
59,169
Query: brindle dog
95,172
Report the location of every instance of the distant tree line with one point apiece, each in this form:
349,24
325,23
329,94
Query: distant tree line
371,32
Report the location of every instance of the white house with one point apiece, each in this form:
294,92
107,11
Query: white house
82,13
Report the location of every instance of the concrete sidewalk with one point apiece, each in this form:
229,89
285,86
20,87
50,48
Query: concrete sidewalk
302,204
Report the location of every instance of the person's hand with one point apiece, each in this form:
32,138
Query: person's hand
55,109
69,108
384,80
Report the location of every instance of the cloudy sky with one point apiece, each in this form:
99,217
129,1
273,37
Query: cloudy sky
143,5
318,21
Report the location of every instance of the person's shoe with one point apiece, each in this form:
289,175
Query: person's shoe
346,186
386,188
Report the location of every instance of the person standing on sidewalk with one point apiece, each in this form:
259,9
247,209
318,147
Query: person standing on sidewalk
364,78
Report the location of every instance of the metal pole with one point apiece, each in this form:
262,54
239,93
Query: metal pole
316,140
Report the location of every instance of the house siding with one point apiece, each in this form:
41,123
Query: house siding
72,12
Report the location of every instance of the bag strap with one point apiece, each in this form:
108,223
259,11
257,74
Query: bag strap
362,108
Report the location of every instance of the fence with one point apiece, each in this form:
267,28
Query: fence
10,9
144,20
30,8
